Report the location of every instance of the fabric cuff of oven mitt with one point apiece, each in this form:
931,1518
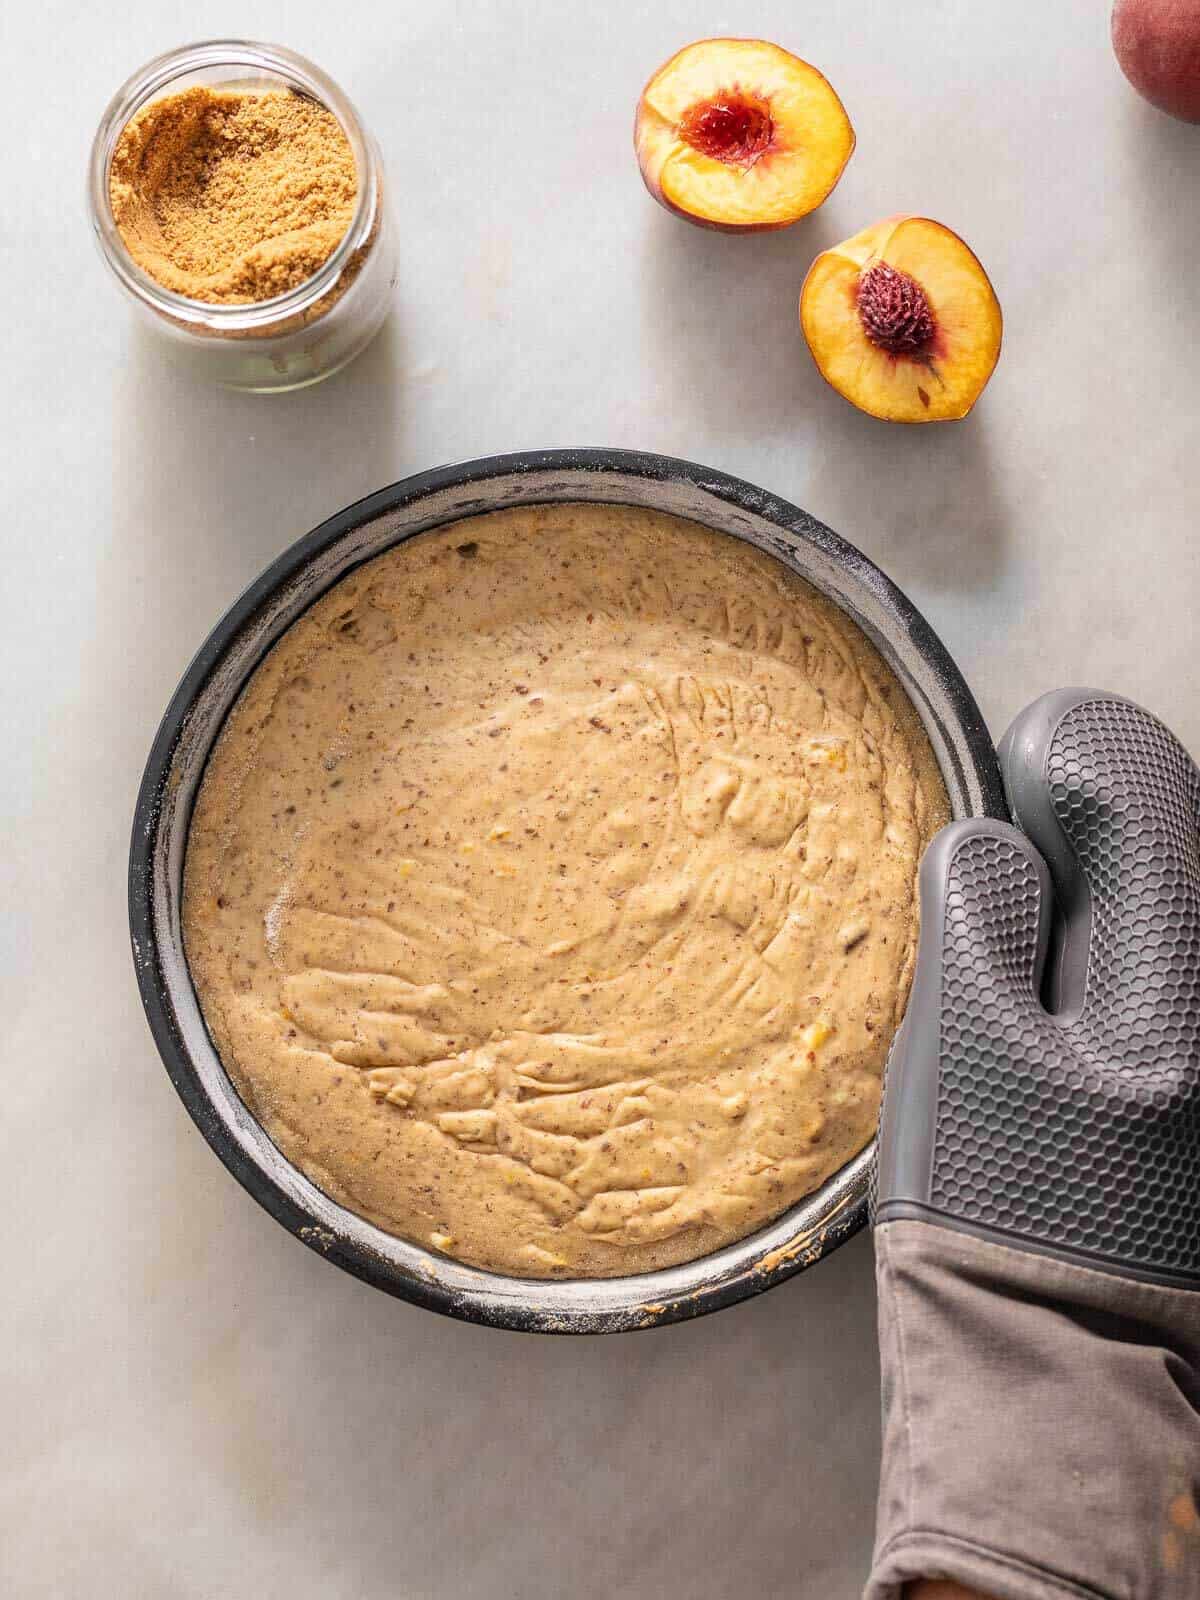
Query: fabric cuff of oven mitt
1041,1424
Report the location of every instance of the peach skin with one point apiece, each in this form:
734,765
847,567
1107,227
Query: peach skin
1157,45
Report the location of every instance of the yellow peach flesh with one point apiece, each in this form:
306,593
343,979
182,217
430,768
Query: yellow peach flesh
936,384
809,143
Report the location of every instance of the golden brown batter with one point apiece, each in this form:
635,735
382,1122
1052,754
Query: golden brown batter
550,892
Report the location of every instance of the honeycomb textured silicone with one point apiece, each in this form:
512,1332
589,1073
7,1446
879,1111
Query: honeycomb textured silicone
1081,1131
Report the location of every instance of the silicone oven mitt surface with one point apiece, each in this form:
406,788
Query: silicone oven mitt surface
1044,1089
1037,1203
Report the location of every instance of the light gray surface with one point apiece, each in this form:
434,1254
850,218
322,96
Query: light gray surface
195,1405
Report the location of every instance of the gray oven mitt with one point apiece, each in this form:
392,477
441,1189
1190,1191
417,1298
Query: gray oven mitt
1037,1195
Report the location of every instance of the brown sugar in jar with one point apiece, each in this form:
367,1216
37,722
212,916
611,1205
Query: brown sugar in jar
231,197
240,204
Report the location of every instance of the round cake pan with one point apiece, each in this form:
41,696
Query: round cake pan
956,730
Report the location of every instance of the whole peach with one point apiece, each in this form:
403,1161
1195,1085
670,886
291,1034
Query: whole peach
1157,43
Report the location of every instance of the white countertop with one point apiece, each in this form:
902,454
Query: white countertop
195,1405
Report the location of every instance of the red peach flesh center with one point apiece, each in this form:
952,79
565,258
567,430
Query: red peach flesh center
728,128
893,309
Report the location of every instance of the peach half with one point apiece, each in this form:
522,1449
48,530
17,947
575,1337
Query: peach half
739,135
902,321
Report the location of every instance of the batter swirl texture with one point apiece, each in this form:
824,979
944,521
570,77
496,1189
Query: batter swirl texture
550,893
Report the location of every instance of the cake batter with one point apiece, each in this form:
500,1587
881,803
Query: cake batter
550,893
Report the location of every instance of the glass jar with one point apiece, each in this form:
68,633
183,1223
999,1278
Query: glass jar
310,331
